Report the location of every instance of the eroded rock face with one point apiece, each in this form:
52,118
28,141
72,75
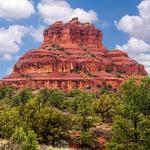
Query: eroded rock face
72,56
73,35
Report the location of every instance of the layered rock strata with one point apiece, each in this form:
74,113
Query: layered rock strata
72,56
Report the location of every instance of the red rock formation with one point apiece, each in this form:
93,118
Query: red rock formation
72,56
73,35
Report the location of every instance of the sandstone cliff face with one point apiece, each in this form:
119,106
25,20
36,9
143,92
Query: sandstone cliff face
72,56
73,35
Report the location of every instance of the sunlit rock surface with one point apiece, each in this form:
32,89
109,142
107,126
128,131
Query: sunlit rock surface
72,56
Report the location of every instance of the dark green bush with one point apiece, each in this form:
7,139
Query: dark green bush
109,70
57,47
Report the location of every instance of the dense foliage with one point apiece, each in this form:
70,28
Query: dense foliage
131,126
56,118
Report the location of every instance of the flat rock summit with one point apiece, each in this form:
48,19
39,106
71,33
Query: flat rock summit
72,56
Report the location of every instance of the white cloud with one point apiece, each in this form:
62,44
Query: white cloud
54,10
138,50
145,60
135,46
147,69
7,57
16,9
144,9
37,33
11,38
138,28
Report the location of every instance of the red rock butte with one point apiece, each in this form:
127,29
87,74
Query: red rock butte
72,56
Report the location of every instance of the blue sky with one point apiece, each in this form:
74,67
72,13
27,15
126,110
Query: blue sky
125,25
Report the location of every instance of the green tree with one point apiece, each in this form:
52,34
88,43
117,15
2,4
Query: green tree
42,97
9,120
6,92
85,115
56,98
21,97
30,142
27,140
105,106
76,100
52,125
50,97
49,123
29,113
80,106
19,135
131,127
87,141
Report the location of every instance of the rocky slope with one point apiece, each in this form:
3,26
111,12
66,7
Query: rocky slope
72,56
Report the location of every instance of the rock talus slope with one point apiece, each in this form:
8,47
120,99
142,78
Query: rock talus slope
72,56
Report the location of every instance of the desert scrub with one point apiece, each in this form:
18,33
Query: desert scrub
57,47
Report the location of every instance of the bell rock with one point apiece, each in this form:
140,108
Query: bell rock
72,56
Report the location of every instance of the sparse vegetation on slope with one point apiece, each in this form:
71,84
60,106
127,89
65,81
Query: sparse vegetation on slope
77,119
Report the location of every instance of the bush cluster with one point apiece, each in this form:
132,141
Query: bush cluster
53,117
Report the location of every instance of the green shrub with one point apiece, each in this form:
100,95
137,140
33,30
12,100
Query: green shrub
52,115
93,55
26,139
6,92
19,135
30,142
109,70
9,120
121,72
105,106
77,69
57,47
87,140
